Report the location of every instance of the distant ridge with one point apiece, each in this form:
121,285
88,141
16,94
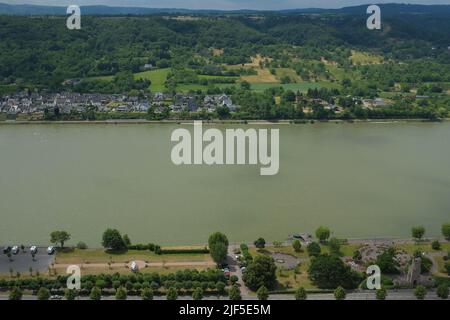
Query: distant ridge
387,9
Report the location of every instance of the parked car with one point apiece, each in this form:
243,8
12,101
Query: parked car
6,249
51,250
33,249
15,250
55,297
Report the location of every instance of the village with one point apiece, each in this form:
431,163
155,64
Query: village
67,102
26,103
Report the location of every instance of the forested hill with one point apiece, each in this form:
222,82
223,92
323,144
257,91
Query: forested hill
41,51
387,9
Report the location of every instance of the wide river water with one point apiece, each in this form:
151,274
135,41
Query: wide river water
362,180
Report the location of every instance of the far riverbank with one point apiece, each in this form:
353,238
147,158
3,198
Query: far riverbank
240,122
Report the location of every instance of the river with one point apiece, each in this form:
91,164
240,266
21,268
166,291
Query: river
362,180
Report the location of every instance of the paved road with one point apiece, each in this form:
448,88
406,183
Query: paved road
406,294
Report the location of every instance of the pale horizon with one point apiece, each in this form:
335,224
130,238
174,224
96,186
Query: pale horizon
222,4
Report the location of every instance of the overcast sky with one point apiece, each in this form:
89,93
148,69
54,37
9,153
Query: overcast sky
223,4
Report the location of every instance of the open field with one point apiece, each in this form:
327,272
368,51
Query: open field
363,58
100,256
157,77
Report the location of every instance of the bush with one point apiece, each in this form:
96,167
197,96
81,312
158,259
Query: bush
447,267
335,245
260,243
121,294
262,293
172,294
446,230
313,249
442,291
300,294
420,292
15,294
339,293
426,264
70,294
96,294
322,233
418,232
381,294
234,293
197,294
147,294
43,294
435,245
297,245
81,245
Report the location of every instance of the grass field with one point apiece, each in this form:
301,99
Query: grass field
157,77
363,58
287,72
100,256
301,86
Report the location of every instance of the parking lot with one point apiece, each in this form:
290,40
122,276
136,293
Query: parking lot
22,261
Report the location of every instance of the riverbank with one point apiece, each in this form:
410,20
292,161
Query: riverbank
240,122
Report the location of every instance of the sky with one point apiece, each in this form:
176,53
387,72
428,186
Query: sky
222,4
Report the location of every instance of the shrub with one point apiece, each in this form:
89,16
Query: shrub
442,291
121,294
96,294
297,245
322,233
70,294
339,293
81,245
234,293
300,294
43,294
381,294
172,294
418,232
15,294
147,294
420,292
262,293
435,245
197,294
446,230
313,249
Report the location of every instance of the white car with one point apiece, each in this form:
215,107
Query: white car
51,250
33,249
55,297
15,250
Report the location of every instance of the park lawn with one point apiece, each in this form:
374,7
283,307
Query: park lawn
441,266
289,279
157,77
424,246
100,256
124,270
